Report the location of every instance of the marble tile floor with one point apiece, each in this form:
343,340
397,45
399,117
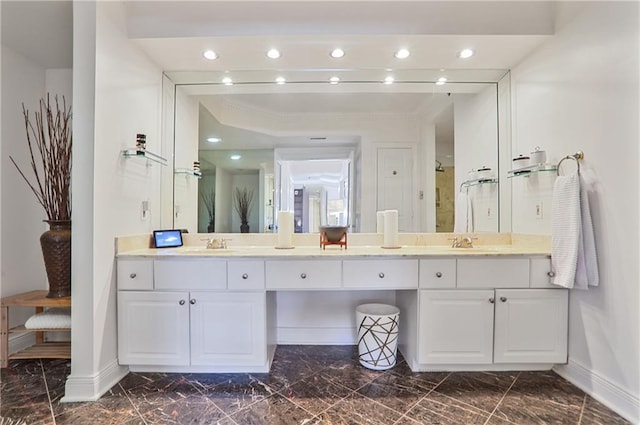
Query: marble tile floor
306,385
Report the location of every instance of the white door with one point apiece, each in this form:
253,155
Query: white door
228,328
531,326
456,326
153,328
395,184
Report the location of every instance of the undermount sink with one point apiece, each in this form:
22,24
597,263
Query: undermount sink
201,250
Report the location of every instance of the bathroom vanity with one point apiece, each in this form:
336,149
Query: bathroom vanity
485,308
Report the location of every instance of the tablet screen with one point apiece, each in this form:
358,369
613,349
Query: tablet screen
167,238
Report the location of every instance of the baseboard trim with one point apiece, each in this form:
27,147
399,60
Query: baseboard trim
617,399
22,341
316,336
91,388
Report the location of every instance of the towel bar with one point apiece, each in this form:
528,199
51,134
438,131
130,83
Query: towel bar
576,157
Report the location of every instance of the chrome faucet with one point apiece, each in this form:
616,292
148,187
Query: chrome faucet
463,242
213,243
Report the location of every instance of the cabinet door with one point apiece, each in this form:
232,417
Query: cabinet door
531,326
456,326
228,328
153,328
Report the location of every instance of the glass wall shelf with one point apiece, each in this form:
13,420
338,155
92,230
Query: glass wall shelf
188,172
143,153
477,182
532,169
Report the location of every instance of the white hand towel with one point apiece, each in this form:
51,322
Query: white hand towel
470,222
587,268
566,225
461,213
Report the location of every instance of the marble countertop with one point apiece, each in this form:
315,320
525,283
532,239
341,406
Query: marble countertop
415,246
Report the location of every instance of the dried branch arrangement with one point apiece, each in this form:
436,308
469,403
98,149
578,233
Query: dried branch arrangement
243,202
49,139
209,200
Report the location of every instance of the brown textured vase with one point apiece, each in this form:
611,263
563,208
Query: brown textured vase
56,250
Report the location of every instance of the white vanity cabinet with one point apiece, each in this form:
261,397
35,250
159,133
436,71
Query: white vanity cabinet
493,326
388,274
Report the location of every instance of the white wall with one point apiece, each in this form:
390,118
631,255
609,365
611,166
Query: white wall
117,94
22,217
224,201
579,91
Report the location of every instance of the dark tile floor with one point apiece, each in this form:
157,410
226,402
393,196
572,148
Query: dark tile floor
307,385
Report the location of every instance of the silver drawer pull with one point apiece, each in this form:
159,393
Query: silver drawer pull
438,274
381,275
503,299
245,276
491,300
551,274
303,275
192,301
133,275
181,302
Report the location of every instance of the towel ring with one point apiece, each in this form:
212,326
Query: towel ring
576,157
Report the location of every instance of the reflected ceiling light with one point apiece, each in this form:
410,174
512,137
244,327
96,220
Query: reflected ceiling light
235,157
214,140
281,80
402,54
334,80
227,81
210,54
273,53
389,80
337,53
441,81
465,53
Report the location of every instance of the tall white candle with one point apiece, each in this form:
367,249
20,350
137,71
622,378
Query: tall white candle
285,229
390,229
380,222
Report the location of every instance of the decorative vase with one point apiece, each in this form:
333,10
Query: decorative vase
211,227
56,250
244,228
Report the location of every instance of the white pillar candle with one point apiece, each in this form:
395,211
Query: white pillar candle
390,229
380,222
285,229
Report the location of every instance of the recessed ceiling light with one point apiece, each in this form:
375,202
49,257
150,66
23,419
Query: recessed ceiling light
465,53
227,81
214,140
273,53
210,54
389,80
281,80
441,81
337,53
334,80
235,157
402,54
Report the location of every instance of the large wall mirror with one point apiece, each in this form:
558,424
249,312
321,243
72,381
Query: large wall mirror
333,154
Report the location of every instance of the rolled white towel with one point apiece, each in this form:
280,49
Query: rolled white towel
52,318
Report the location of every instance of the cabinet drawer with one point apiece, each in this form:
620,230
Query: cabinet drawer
135,273
389,274
493,272
438,274
245,275
295,274
190,273
540,269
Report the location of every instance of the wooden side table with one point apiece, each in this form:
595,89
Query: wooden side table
41,350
